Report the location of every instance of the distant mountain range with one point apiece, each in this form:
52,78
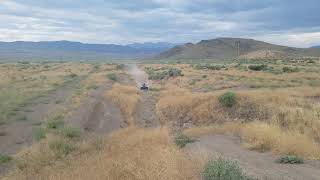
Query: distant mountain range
227,48
68,50
220,48
315,46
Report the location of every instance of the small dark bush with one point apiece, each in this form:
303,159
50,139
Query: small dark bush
4,158
228,99
120,66
160,74
290,159
39,133
70,132
112,77
224,170
183,140
257,67
73,75
208,66
311,61
62,148
56,123
174,72
290,69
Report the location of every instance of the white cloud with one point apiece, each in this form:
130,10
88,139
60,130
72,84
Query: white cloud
293,39
159,20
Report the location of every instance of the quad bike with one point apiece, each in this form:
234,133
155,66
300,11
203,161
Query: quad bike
144,87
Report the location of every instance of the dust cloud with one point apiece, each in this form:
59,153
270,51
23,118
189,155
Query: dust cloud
139,76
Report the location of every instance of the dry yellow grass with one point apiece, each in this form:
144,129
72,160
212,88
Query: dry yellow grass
127,98
287,121
262,136
136,154
177,104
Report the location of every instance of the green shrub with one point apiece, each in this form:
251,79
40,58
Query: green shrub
112,77
73,75
22,118
208,66
258,67
290,159
174,72
62,148
182,140
70,132
160,74
290,69
39,133
4,158
222,169
228,99
120,66
56,123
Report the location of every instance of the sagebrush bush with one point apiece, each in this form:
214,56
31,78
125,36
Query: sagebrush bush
112,77
290,159
290,69
156,74
120,66
182,140
228,99
4,158
222,169
39,133
62,148
55,123
209,66
174,72
257,67
70,132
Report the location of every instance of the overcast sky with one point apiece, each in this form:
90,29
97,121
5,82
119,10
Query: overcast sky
286,22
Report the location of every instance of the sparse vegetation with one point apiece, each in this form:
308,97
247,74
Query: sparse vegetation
290,159
290,69
62,148
223,169
159,74
39,133
182,140
112,77
4,158
228,99
127,98
257,67
70,132
56,123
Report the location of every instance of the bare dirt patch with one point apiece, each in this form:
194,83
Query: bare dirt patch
97,114
255,164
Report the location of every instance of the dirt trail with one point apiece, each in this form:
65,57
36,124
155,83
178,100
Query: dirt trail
255,164
145,111
97,115
19,129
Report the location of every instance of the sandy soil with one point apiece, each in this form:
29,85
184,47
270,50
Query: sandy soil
255,164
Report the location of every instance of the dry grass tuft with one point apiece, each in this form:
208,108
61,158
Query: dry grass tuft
264,137
127,98
181,106
137,154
